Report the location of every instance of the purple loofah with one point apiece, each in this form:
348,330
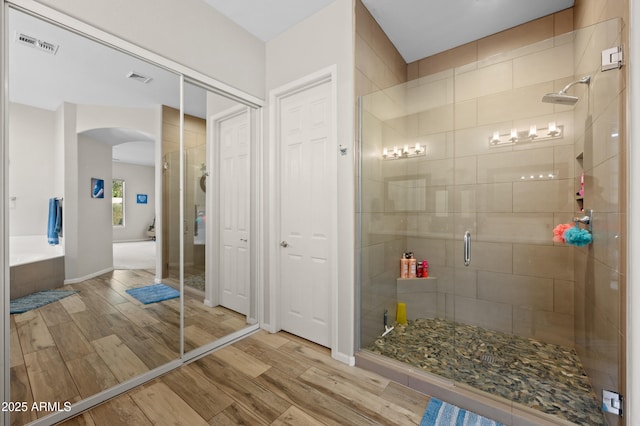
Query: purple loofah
577,237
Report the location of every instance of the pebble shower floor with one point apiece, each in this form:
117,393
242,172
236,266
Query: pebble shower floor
543,376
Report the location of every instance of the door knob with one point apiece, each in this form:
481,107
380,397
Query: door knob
284,244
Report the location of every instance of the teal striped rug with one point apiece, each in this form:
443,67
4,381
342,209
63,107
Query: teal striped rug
440,413
153,293
35,300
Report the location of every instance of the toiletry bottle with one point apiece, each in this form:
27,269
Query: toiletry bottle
413,263
419,270
425,269
404,267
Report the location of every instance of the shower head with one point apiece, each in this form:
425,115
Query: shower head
561,97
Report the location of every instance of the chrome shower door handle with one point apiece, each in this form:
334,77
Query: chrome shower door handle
467,248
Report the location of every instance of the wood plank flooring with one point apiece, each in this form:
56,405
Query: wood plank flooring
263,379
101,336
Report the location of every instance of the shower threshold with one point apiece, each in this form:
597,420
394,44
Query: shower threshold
545,377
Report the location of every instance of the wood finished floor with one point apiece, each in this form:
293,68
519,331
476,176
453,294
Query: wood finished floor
264,379
101,336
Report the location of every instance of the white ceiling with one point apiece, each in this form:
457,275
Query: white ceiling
266,19
85,72
417,28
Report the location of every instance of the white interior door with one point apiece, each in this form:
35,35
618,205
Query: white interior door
234,137
307,190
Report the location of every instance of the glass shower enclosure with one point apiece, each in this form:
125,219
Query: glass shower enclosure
471,171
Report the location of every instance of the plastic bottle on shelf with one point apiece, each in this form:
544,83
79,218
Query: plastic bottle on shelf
413,266
404,267
425,269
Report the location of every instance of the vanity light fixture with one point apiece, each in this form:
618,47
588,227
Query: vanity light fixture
407,151
532,134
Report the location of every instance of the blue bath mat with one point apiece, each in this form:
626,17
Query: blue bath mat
36,300
153,293
440,413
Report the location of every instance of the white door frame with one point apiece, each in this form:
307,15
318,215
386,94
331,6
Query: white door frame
271,321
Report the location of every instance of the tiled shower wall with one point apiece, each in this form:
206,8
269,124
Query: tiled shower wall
509,198
436,111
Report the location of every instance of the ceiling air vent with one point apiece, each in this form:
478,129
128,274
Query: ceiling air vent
139,77
42,45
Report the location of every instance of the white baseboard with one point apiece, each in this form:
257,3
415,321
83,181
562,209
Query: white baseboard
87,277
344,358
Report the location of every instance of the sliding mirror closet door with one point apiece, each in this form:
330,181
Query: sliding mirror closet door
85,134
217,215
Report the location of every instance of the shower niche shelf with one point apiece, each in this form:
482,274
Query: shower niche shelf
580,186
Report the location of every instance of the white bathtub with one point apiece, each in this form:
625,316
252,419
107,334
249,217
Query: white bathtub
35,265
32,248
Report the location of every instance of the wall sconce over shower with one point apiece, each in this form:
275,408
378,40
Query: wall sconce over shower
405,152
515,136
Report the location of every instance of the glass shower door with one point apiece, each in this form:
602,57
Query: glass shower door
522,166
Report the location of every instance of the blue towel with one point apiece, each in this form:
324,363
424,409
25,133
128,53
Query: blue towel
55,222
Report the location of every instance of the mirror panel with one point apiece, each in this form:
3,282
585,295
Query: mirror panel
217,144
82,114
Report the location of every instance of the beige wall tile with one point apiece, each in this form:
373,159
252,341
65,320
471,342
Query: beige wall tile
564,162
543,261
586,12
541,67
465,283
531,228
545,326
495,197
428,95
475,141
602,290
563,297
511,166
465,170
433,250
495,257
550,195
602,187
434,172
466,114
563,22
607,239
606,134
522,35
491,315
435,226
519,104
436,120
484,81
457,56
521,291
436,145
